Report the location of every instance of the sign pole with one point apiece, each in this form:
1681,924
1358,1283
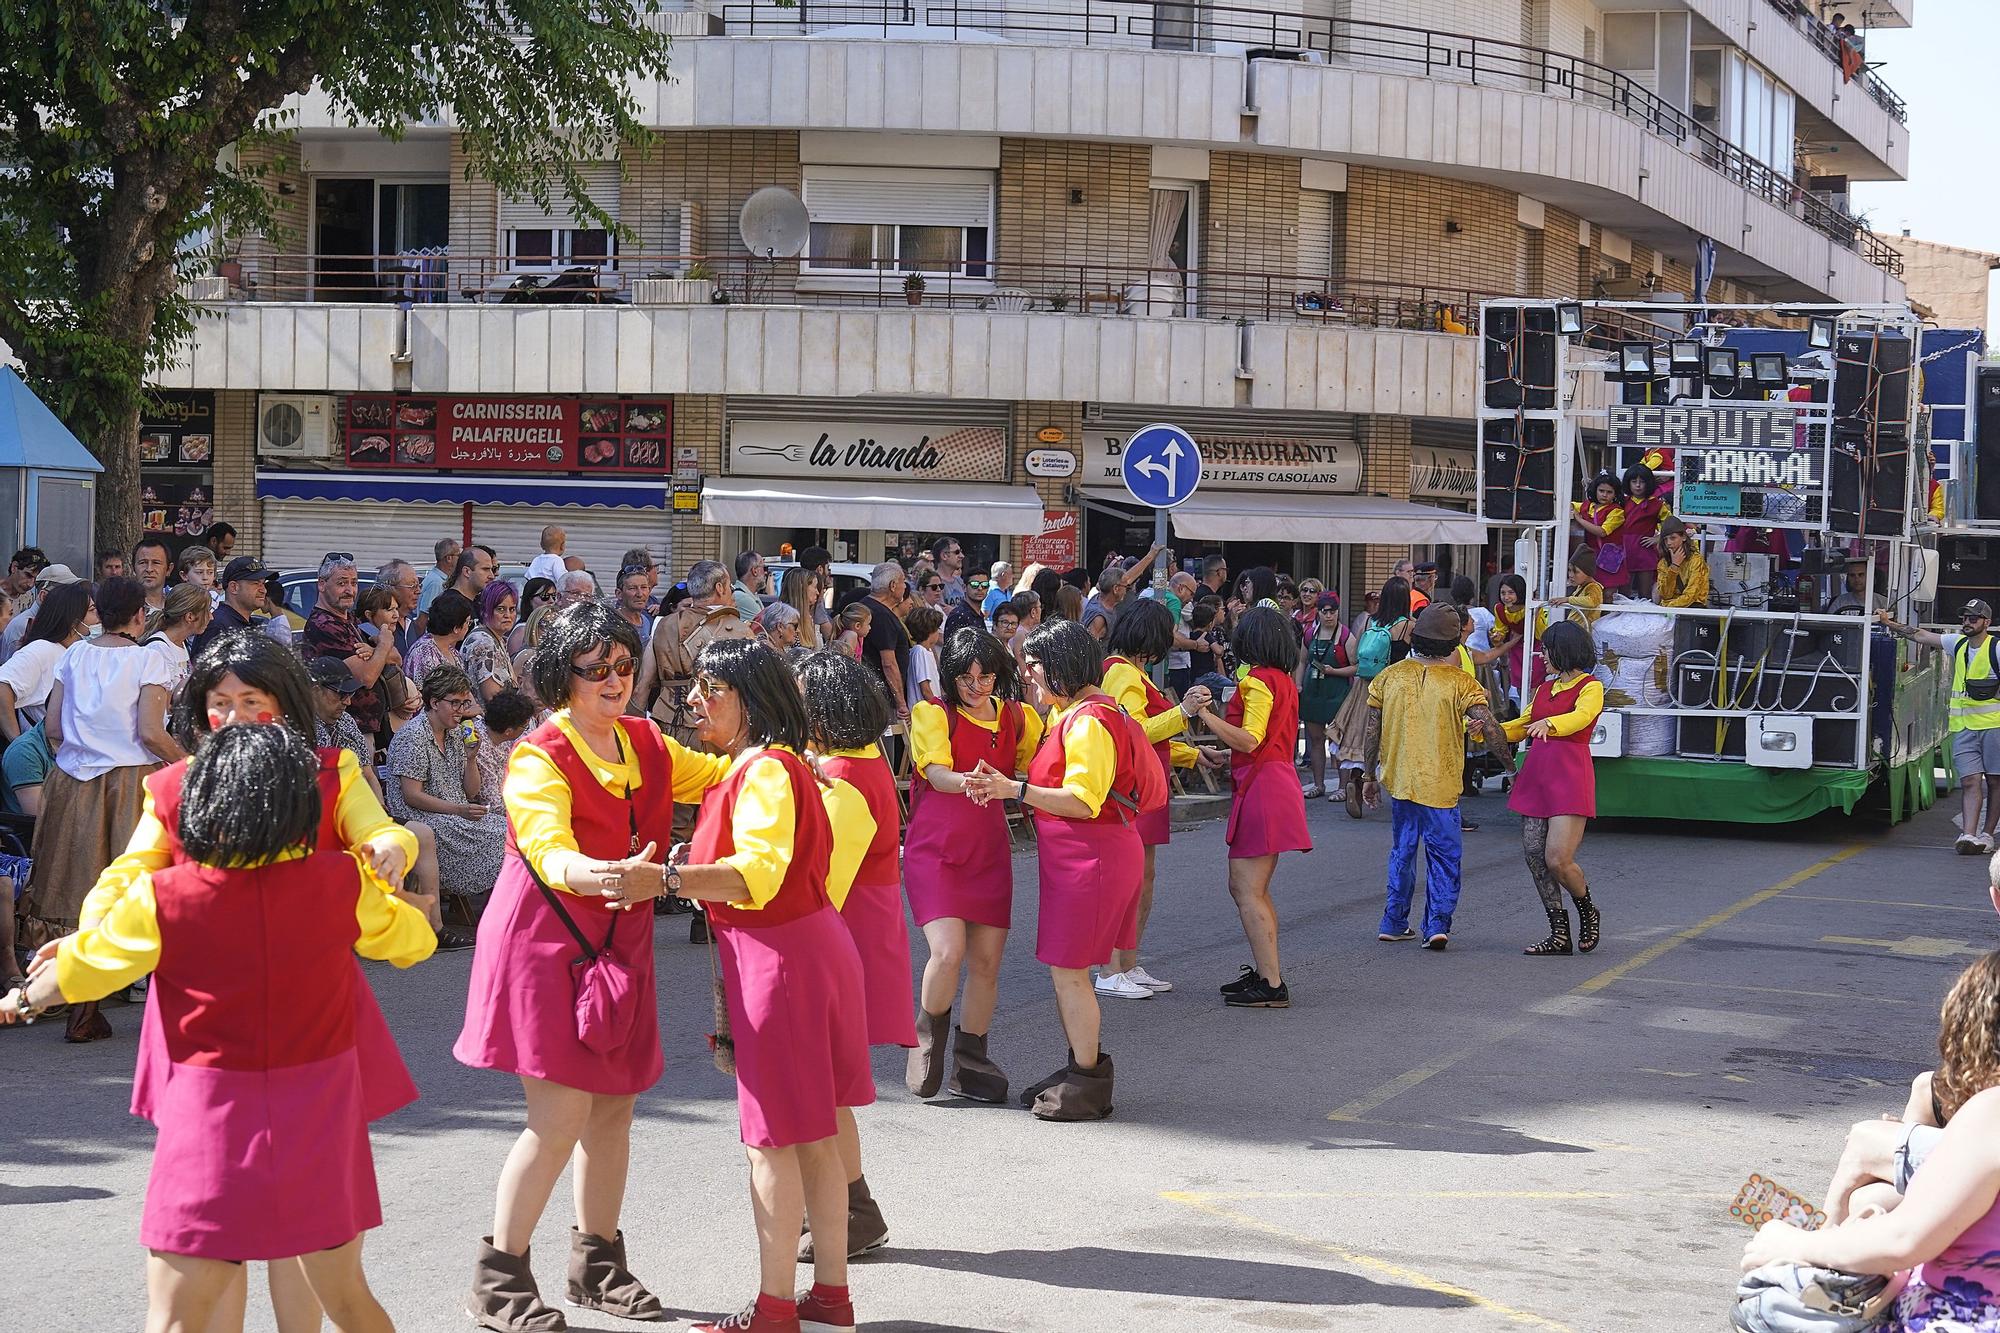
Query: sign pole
1160,572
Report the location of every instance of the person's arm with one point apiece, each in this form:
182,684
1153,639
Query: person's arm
1090,762
10,715
892,675
154,701
52,720
392,931
1480,722
1589,704
364,827
1882,618
1126,685
1576,512
1142,568
762,829
1371,748
472,779
424,803
538,802
853,825
1256,717
930,747
98,960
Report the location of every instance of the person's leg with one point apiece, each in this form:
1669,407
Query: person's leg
1534,850
10,968
983,948
342,1287
1402,868
824,1179
182,1292
1443,851
556,1119
603,1159
1124,960
1316,753
1992,804
234,1303
1250,887
292,1299
1565,837
778,1200
1076,1003
946,937
421,890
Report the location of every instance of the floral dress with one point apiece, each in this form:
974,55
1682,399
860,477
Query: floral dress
484,659
468,850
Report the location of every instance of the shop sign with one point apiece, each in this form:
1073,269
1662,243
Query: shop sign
1056,546
687,496
1246,463
438,432
1442,474
1051,435
1693,426
1051,463
177,428
867,449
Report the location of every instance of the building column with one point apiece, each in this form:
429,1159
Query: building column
234,460
1385,470
697,423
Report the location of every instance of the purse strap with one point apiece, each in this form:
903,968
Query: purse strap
582,941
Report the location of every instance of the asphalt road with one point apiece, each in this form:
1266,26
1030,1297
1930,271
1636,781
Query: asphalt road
1462,1141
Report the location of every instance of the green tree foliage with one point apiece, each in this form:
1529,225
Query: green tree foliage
117,118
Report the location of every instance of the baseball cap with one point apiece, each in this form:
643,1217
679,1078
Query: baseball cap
243,569
333,673
1976,607
57,575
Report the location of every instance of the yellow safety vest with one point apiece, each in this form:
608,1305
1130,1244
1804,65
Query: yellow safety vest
1969,663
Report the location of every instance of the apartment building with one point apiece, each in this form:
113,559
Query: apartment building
1006,237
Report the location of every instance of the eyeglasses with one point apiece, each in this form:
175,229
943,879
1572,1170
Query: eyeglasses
933,587
462,703
602,671
978,684
708,687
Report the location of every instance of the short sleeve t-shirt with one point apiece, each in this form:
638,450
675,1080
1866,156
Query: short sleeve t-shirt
26,764
100,707
29,673
1423,729
885,635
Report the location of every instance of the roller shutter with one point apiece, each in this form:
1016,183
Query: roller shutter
299,533
600,181
600,536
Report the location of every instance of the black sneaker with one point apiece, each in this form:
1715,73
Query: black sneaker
1243,982
1437,942
1404,934
450,941
1260,994
698,928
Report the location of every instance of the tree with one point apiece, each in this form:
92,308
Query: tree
114,118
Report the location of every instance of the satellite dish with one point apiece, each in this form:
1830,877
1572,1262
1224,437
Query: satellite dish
773,223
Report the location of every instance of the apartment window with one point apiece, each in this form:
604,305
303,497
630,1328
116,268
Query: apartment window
873,220
1631,41
532,236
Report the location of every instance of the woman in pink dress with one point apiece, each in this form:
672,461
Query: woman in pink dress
1087,784
1555,793
1644,508
958,867
590,803
848,711
263,1130
1602,518
760,861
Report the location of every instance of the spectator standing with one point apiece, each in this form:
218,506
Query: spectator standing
281,624
886,650
949,557
484,652
576,585
186,614
998,589
151,562
333,631
439,576
435,780
801,590
476,567
197,566
538,598
242,587
635,590
750,580
65,616
708,613
549,564
925,627
818,562
220,538
110,564
400,578
28,588
376,610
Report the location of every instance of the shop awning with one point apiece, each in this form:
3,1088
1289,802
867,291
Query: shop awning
598,493
897,506
1255,516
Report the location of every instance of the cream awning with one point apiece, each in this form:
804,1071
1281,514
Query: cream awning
1260,516
831,502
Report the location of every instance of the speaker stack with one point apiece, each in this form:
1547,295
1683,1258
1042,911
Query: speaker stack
1968,567
1518,454
1520,358
1869,485
1986,495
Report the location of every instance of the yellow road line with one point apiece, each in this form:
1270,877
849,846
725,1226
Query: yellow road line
1408,1277
1890,902
1402,1083
1763,990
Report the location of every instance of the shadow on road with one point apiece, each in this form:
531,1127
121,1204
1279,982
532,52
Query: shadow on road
19,1194
1473,1139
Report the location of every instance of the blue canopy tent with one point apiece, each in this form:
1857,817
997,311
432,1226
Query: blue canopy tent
48,480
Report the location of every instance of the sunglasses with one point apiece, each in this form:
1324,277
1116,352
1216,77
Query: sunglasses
978,583
602,671
336,555
708,687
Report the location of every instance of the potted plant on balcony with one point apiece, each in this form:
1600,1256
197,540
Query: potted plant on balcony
913,289
695,285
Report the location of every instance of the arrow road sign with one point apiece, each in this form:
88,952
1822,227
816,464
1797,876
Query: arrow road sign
1162,465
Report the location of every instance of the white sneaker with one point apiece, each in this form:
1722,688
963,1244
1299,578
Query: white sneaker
1985,842
1967,845
1152,983
1121,987
1313,789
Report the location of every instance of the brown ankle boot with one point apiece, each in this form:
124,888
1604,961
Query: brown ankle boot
973,1074
925,1073
599,1279
1084,1094
865,1228
1034,1090
504,1296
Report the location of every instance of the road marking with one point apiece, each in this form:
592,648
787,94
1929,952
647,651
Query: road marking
1889,902
1911,946
1762,990
1402,1083
1408,1277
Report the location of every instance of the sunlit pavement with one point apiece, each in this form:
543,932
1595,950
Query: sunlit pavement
1468,1140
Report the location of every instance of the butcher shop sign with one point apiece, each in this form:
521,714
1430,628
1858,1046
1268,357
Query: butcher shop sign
444,433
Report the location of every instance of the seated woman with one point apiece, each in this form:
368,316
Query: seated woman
509,714
434,767
1683,574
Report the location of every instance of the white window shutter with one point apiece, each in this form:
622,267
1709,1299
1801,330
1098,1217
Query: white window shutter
889,195
599,178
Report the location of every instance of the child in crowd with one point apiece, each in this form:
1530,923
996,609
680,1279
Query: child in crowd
263,1146
853,622
926,628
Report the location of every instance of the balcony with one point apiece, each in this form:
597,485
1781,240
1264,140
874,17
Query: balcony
1844,58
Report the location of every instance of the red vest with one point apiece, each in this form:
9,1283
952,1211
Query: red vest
257,966
605,824
877,785
971,743
1046,768
1156,704
1281,730
165,785
803,891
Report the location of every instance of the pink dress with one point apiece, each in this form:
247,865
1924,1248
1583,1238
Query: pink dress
790,974
1642,519
1090,868
1557,776
1156,827
1267,809
520,1010
873,911
958,860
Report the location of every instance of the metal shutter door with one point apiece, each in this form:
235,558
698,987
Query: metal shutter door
891,195
299,533
1315,234
600,536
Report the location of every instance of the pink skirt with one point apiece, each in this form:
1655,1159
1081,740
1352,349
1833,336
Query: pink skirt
1090,885
1156,827
520,1011
260,1164
796,1010
386,1086
1556,778
1267,813
958,860
874,917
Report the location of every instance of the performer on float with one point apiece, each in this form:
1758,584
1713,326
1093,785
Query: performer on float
1645,507
1555,792
263,1146
1267,809
562,994
761,861
958,858
1602,518
1092,777
848,711
1141,634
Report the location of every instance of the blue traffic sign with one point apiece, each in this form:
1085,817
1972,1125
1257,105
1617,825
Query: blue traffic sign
1162,465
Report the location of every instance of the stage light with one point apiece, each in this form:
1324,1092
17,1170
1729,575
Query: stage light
1635,361
1569,319
1767,370
1721,363
1684,356
1819,332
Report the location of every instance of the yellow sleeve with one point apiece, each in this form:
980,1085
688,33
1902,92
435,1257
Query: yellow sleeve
765,823
1090,762
1180,754
1256,706
123,946
1592,595
1614,521
1693,584
1589,703
359,817
853,830
930,737
538,806
1124,683
148,850
1516,727
1470,693
694,772
1033,728
391,930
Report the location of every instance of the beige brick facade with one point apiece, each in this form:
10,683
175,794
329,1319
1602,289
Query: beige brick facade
1385,470
1399,229
1951,282
1051,245
697,423
1252,222
716,170
278,167
235,465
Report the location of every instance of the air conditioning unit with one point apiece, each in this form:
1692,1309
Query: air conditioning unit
295,425
680,233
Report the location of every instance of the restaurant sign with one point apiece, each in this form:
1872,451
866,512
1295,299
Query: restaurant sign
867,450
1056,545
442,432
1246,462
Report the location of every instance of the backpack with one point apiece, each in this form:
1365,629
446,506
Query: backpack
1373,654
1146,789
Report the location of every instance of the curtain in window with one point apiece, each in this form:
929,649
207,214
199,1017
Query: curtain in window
1165,290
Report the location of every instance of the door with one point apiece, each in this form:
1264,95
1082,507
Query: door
60,515
344,240
1168,289
413,231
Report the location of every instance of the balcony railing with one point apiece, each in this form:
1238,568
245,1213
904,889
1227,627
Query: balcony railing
1835,49
1188,25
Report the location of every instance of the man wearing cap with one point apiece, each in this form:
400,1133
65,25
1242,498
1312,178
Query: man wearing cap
1975,716
46,576
242,599
1423,582
1418,712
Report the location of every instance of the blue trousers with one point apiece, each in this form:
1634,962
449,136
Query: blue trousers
1409,824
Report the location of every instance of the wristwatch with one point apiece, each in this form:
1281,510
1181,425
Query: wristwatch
672,881
25,1007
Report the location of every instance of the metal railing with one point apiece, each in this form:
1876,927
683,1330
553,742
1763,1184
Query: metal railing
1835,49
1188,25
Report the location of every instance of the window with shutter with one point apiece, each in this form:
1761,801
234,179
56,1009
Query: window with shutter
874,220
536,237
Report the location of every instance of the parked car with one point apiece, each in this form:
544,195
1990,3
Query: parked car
301,589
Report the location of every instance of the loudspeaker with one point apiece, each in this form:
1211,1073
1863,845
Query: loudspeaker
1867,483
1519,461
1986,470
1871,380
1520,357
1968,567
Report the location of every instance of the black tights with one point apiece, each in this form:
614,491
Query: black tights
1535,846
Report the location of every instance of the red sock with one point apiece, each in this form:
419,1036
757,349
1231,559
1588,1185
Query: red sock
778,1307
831,1295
